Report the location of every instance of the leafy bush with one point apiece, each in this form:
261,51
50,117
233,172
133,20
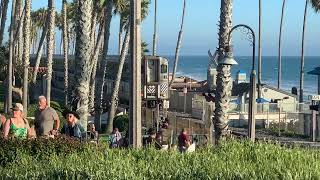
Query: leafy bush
286,133
122,123
39,149
234,160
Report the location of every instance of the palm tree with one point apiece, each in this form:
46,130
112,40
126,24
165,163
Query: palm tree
224,82
4,8
10,64
114,97
19,36
83,52
302,53
50,47
65,49
279,50
44,23
176,59
26,51
120,6
316,5
96,46
103,65
95,57
124,52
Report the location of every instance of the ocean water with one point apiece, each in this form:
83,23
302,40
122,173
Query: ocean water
196,67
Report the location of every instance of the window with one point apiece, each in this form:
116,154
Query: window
164,68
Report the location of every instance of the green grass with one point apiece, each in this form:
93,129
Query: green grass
235,160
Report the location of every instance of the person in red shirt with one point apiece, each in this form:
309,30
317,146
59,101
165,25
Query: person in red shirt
183,141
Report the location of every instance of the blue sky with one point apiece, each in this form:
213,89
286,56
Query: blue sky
200,30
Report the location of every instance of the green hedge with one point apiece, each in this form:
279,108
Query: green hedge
234,160
38,149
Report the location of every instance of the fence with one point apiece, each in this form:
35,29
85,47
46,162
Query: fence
295,117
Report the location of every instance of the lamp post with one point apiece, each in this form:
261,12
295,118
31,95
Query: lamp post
252,93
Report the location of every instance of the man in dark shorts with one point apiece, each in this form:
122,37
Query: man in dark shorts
47,121
183,141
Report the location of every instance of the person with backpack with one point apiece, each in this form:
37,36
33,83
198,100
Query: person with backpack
17,126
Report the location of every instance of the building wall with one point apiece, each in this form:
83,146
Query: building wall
58,76
270,94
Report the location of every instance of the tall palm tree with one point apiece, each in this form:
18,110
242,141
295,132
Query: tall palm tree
176,59
19,36
65,49
95,57
10,64
279,48
302,52
316,5
98,19
26,51
120,6
103,64
50,47
83,53
124,52
114,97
224,82
4,8
45,24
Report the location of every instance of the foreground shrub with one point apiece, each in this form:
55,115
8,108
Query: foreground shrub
38,149
235,160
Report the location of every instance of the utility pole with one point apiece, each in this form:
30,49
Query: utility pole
135,93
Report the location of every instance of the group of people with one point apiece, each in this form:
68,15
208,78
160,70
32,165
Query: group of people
155,139
46,124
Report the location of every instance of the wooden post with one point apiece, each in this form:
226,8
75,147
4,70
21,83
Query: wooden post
135,101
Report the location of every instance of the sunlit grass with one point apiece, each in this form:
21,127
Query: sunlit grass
235,160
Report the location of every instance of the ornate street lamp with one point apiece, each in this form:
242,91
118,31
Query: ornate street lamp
228,59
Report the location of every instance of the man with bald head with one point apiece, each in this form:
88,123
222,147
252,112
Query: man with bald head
47,121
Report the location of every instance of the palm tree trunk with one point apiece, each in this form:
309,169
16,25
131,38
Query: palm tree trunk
95,57
302,53
114,97
101,80
26,52
83,54
40,52
20,34
4,8
61,43
154,42
50,47
260,51
120,37
93,25
65,50
279,47
224,82
10,64
176,59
